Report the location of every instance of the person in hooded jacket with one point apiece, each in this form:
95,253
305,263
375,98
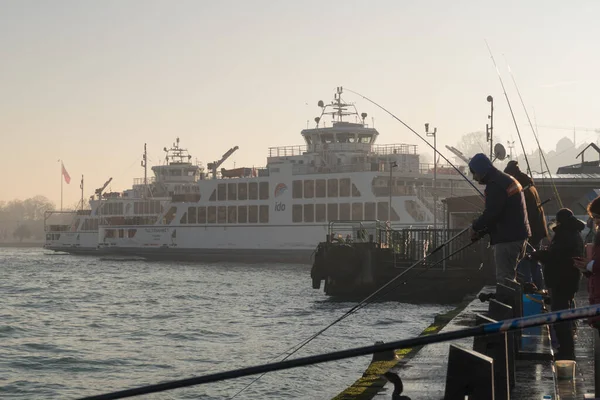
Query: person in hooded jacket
504,216
591,267
561,275
537,222
535,210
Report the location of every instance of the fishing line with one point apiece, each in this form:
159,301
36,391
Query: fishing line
480,330
420,137
535,136
510,108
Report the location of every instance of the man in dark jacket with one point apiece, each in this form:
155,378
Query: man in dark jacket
561,275
504,216
535,211
530,269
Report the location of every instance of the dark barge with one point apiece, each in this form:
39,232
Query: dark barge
359,257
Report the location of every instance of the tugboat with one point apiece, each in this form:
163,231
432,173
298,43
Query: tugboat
359,257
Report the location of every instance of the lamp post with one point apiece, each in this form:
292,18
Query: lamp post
434,135
393,164
489,129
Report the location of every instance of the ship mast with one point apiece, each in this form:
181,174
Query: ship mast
145,165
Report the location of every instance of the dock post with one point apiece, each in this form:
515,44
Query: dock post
500,311
596,362
496,347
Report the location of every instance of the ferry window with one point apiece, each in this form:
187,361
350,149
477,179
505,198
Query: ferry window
109,233
191,215
253,214
382,212
131,233
253,191
297,189
170,215
355,191
201,215
183,219
175,172
221,215
190,172
309,213
136,208
264,214
264,190
242,214
332,188
364,138
242,191
297,212
309,189
332,211
357,211
370,213
320,213
231,191
320,188
232,214
221,191
327,138
121,233
345,211
345,187
213,196
212,214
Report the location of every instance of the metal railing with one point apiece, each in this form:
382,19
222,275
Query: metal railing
412,244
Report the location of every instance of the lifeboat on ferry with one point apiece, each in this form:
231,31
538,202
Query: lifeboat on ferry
237,172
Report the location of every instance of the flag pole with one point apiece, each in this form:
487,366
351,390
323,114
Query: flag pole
61,185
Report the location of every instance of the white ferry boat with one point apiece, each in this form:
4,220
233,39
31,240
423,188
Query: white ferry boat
142,205
280,212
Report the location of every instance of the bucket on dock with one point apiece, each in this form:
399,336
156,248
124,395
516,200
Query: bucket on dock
532,305
565,369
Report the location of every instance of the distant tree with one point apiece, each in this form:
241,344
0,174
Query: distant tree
22,232
475,142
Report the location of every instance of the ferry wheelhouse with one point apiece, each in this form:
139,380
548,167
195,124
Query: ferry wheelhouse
280,212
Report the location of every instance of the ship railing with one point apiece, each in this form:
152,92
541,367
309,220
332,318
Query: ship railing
411,244
287,151
140,181
400,148
442,169
377,149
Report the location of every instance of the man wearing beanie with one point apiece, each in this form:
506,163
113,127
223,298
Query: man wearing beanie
536,218
504,216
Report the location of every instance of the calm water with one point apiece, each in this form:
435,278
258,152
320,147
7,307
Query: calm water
73,326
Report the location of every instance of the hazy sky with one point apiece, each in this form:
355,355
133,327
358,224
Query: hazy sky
89,82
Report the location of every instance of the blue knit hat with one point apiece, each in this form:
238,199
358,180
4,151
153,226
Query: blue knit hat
480,164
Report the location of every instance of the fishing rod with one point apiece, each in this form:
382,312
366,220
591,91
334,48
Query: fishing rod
508,325
420,137
543,157
510,108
